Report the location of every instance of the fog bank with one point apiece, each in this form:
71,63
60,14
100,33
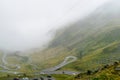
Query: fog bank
25,24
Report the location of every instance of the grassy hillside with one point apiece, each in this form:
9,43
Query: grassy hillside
97,48
94,40
106,72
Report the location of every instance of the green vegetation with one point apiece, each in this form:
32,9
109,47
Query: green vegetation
106,72
95,41
63,77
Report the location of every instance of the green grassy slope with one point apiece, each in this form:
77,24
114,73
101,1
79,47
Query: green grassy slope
106,72
94,40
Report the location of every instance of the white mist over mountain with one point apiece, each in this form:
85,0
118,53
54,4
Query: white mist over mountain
24,24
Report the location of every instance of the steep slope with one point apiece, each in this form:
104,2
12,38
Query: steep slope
102,18
94,40
106,72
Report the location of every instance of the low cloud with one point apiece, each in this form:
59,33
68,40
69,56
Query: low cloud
25,23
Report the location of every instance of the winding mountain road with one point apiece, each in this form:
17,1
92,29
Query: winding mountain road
66,61
6,63
52,70
7,69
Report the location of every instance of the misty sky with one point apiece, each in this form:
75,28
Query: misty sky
25,24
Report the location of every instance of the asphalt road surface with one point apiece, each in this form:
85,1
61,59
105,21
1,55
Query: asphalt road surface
53,70
65,62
